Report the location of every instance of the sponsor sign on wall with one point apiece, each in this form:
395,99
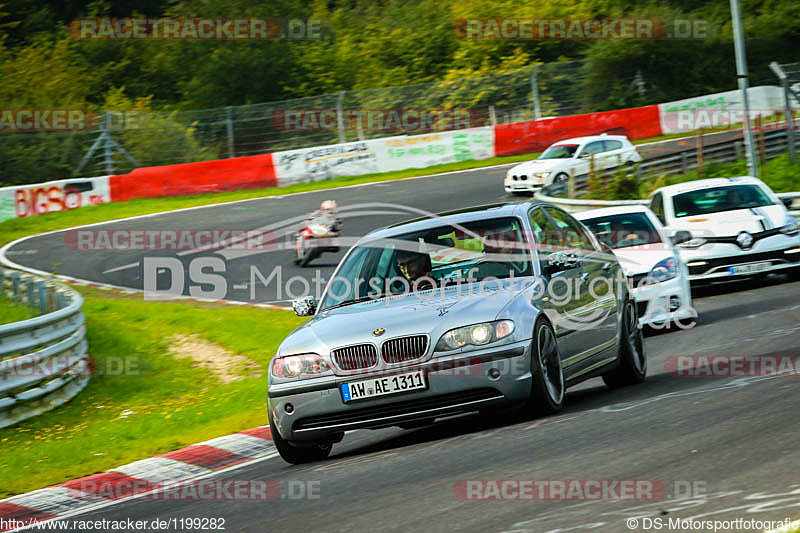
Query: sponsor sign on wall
383,155
29,200
718,110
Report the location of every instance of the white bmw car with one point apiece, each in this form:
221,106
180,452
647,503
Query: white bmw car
737,226
658,277
555,163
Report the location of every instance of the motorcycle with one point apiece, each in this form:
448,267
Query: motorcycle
314,239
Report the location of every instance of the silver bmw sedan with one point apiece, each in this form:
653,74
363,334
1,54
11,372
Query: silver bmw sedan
486,308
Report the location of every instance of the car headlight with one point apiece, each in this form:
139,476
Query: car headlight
663,271
476,335
790,225
292,366
696,242
542,175
318,229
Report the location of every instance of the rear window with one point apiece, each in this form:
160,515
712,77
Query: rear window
718,199
624,230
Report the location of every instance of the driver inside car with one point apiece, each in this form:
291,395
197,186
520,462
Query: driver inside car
415,267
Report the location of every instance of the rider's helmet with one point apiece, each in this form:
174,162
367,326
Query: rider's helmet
328,205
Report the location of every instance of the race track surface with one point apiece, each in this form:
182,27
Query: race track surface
734,439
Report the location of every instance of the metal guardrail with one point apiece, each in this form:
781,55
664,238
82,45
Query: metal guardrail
775,144
44,360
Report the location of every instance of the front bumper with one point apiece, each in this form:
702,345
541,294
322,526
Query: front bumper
665,302
526,185
717,261
456,384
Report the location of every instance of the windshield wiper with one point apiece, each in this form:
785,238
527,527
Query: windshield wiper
350,302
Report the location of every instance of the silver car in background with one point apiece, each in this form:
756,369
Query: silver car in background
499,306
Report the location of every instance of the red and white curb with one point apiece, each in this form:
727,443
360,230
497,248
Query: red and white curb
138,478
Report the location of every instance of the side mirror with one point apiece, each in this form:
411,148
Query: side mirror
305,306
559,261
681,237
787,202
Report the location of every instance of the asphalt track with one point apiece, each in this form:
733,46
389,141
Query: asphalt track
734,439
363,209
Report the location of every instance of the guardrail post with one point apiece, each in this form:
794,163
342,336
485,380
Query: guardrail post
762,149
42,286
51,298
15,284
29,291
572,183
700,152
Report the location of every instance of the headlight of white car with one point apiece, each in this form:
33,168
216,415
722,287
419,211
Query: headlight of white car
476,335
542,175
664,270
696,242
302,365
790,225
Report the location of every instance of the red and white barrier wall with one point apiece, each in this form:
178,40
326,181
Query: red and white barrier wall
383,155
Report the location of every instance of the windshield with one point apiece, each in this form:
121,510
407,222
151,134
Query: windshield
623,231
471,252
559,151
717,199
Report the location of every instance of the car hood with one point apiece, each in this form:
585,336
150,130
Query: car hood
642,259
539,165
426,313
731,223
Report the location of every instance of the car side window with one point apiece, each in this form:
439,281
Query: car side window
573,233
545,234
657,207
594,147
613,145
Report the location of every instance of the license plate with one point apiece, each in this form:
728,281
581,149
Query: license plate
749,269
370,388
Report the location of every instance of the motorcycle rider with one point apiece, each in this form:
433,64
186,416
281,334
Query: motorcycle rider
327,211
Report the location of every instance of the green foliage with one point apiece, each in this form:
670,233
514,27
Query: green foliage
366,45
780,174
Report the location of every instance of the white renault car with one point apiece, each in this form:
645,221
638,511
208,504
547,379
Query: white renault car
555,163
658,278
737,226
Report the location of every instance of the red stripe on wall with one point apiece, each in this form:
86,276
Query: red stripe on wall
252,172
536,135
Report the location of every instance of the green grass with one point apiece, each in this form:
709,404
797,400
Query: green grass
175,403
13,311
17,228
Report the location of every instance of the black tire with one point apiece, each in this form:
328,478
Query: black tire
307,256
547,386
561,177
632,367
297,455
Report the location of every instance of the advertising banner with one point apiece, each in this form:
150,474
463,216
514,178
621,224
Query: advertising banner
60,195
719,110
383,155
